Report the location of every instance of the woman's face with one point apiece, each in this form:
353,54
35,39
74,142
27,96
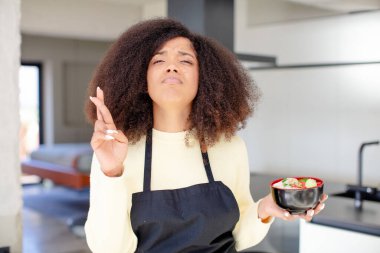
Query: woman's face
173,75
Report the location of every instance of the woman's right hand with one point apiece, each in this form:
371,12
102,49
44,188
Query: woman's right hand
109,144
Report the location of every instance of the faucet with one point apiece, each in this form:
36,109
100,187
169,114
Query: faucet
359,189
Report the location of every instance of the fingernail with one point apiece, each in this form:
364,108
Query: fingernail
327,196
322,206
90,98
109,137
311,213
286,214
111,131
98,88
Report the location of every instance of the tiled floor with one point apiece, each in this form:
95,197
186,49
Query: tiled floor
44,234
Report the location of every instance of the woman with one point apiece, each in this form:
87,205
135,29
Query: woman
169,174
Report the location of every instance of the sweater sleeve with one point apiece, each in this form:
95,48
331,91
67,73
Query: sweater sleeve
108,227
249,230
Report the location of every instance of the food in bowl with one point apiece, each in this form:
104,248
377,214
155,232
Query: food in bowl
297,194
294,183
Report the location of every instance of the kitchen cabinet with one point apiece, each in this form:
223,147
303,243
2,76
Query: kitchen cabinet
340,227
316,238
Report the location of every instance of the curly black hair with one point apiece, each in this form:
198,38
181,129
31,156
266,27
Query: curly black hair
226,94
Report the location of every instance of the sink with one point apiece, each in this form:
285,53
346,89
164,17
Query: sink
365,196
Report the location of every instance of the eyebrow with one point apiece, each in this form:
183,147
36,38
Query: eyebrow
180,52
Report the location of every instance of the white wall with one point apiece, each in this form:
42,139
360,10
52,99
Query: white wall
67,66
155,8
311,121
346,38
10,192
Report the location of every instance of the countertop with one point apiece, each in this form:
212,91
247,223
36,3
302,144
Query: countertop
339,212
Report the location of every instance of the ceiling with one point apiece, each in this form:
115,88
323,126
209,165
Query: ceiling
337,5
101,20
138,2
106,19
279,11
342,6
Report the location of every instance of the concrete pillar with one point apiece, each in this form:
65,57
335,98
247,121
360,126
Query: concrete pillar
10,190
213,18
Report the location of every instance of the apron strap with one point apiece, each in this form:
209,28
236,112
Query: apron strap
206,163
148,162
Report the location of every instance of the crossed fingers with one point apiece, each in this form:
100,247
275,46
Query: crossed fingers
104,126
102,112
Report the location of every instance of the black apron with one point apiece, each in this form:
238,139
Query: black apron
198,218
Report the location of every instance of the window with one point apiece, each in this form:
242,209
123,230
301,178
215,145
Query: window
30,109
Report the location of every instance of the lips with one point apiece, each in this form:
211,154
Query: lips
172,80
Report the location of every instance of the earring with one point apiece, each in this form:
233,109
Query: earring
189,138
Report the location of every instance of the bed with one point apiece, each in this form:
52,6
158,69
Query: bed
66,164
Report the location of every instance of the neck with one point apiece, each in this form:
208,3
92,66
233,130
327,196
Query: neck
171,121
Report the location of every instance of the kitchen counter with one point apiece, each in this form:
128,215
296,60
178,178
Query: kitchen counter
339,212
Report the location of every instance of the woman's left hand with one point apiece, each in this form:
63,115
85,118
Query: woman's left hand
268,208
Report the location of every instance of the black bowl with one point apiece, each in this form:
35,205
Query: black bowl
297,201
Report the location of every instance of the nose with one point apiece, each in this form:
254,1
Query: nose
172,68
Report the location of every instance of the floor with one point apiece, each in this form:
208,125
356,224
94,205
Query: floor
47,234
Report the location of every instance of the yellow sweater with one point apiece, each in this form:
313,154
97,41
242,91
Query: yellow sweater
174,165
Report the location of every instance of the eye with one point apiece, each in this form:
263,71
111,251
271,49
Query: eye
187,62
157,61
